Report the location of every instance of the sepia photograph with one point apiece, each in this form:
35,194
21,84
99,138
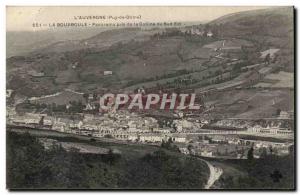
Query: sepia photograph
197,98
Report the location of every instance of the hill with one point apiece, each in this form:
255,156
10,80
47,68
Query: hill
24,42
31,166
273,22
268,28
160,58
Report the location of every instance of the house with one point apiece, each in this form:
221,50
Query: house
10,111
89,127
196,31
88,117
141,91
151,138
34,73
206,153
107,72
120,136
177,138
91,96
9,93
90,106
98,134
76,124
184,150
133,137
209,34
159,130
26,120
58,127
182,124
284,115
234,141
48,121
86,132
61,124
269,130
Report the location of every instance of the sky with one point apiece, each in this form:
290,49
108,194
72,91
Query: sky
21,18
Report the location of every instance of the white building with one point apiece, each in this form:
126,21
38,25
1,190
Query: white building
151,138
133,137
209,34
206,153
107,72
9,93
284,115
48,121
269,130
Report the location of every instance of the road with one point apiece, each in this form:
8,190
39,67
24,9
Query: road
215,174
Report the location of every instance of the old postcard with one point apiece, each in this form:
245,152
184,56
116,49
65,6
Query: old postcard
153,98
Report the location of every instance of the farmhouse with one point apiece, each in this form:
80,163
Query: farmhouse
209,34
107,72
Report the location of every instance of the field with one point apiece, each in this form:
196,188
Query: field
227,44
250,103
61,98
68,146
279,80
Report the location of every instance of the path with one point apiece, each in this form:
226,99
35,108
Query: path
215,174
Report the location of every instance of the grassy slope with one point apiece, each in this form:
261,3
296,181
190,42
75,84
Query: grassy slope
256,174
138,166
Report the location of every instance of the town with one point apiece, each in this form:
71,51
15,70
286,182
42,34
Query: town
228,138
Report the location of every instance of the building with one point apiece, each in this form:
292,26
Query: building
133,137
76,124
61,124
151,137
107,72
284,115
34,73
180,138
9,93
27,119
209,34
10,112
48,121
184,150
257,129
164,131
206,153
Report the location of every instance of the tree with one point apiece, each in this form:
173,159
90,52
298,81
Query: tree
263,153
85,96
267,59
278,111
271,150
190,147
291,150
250,154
